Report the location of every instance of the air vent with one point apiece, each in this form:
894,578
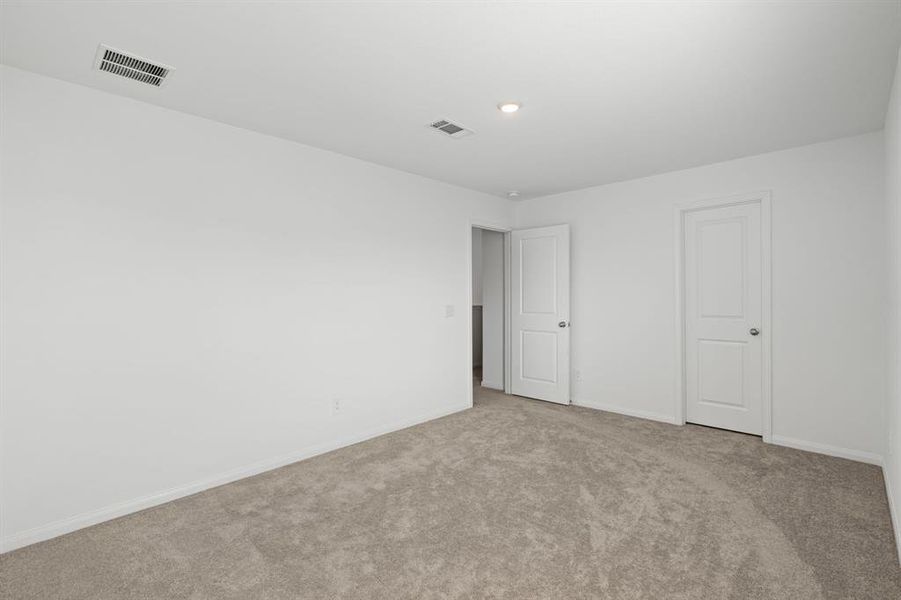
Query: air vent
130,66
454,130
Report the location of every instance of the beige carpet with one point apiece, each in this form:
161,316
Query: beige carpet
513,499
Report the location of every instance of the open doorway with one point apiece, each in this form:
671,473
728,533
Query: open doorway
488,314
520,327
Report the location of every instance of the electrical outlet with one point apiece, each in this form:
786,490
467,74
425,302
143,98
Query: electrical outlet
448,311
336,406
577,375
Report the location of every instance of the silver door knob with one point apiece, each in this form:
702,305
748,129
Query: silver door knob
562,324
754,331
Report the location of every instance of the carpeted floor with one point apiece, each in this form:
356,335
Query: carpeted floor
513,499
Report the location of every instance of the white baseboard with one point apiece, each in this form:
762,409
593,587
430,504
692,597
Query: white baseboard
896,518
629,412
74,523
492,385
858,455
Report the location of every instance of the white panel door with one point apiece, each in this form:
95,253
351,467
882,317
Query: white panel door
540,313
723,301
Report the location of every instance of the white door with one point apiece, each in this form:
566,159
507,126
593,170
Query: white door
723,353
540,313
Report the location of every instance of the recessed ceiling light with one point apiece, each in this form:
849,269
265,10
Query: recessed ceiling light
513,194
509,107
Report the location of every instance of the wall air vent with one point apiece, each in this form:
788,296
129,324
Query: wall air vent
130,66
454,130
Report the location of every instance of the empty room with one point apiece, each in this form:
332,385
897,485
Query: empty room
450,299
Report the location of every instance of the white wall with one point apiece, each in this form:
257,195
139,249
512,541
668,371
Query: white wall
828,288
493,309
183,300
892,468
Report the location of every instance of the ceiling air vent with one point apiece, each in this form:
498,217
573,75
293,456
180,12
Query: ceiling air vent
130,66
454,130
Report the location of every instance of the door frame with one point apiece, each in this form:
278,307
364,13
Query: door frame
490,226
764,199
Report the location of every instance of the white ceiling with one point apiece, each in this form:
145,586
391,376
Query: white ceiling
610,91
